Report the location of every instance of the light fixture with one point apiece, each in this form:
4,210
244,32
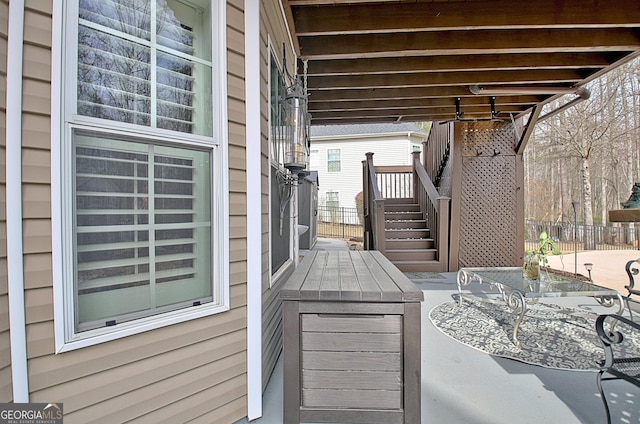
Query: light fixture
589,266
297,128
297,131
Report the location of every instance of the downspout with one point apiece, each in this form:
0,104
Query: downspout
583,94
15,267
254,209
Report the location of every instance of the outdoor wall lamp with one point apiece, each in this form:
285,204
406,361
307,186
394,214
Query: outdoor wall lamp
297,121
589,266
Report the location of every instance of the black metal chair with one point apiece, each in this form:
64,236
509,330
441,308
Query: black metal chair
633,290
615,365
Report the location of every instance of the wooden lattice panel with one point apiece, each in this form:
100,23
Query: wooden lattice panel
488,139
488,216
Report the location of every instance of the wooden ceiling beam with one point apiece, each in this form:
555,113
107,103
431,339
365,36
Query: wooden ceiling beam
395,119
468,42
447,112
485,62
392,93
429,79
335,106
338,121
487,14
398,118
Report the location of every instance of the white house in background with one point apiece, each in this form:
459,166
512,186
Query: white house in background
337,152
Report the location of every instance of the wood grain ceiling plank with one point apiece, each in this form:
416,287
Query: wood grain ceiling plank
489,14
337,121
441,113
438,114
503,101
468,42
444,79
458,63
390,93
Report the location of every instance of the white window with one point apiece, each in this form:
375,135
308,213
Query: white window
142,173
333,199
333,160
146,62
281,188
277,127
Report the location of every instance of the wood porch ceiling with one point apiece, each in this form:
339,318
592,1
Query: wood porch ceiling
388,61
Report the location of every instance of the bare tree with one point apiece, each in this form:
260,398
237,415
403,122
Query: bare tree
603,130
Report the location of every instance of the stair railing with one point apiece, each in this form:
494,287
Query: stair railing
395,182
436,151
435,208
373,205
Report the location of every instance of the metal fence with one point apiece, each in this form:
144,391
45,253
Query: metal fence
582,237
334,222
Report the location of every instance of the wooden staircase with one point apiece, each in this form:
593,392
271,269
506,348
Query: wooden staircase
408,242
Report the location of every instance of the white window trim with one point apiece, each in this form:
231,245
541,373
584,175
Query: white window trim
66,340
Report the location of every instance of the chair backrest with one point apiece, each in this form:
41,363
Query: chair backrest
633,271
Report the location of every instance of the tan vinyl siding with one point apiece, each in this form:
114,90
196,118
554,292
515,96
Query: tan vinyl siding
38,271
38,305
194,370
122,371
236,108
36,131
227,401
37,201
237,227
6,391
238,273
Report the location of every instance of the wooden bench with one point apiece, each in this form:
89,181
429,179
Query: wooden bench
615,366
351,340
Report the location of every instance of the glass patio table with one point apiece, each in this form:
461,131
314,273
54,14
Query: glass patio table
516,290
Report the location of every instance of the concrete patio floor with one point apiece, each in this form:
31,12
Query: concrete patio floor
463,385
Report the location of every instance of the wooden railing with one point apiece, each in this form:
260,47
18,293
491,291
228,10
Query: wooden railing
435,208
373,202
436,151
413,181
395,182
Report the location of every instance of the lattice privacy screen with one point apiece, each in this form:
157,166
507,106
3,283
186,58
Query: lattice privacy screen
488,216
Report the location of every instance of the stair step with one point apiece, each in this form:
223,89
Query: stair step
406,233
400,216
398,200
418,266
405,223
401,207
423,243
410,254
